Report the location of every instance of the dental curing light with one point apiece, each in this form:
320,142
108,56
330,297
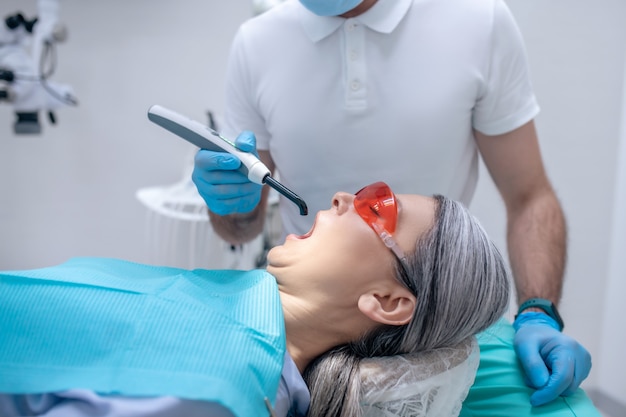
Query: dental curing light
206,138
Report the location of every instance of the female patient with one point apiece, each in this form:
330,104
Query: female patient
377,275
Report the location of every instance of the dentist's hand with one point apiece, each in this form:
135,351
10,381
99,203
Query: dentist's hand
555,364
224,189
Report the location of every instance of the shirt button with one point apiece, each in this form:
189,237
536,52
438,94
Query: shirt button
355,85
354,55
351,26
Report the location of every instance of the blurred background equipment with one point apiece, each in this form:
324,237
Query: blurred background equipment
178,231
27,61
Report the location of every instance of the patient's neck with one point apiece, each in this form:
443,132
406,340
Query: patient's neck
305,341
313,329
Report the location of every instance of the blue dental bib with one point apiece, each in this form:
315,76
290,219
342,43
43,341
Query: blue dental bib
121,328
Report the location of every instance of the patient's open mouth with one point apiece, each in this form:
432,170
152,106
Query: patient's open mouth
307,234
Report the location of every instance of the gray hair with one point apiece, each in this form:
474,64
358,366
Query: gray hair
462,287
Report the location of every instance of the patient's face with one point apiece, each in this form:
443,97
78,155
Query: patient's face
341,256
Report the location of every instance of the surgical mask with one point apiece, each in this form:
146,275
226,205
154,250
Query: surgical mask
330,7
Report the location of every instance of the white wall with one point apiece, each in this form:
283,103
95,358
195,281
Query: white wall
70,192
612,367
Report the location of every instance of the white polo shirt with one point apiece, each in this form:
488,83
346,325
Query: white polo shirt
390,95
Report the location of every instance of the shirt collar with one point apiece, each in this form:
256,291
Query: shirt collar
383,17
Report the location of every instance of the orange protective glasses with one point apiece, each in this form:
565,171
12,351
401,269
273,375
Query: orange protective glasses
376,204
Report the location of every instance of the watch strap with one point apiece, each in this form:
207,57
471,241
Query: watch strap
546,306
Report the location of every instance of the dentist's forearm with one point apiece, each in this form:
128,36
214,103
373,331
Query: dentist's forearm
241,228
537,247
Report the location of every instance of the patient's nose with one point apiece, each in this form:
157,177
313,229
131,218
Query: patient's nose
342,201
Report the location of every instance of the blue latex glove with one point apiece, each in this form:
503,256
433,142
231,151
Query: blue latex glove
224,189
555,364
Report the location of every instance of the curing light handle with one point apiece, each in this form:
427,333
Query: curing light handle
206,138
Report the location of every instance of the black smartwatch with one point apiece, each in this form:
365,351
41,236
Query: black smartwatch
546,305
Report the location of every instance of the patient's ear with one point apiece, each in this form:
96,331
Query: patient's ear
394,307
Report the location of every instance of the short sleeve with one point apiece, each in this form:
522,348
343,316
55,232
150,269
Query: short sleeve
507,100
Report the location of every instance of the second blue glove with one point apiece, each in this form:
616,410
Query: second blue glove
555,364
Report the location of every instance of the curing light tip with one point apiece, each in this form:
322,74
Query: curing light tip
293,197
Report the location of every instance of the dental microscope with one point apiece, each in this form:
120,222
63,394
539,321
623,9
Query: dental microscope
27,61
